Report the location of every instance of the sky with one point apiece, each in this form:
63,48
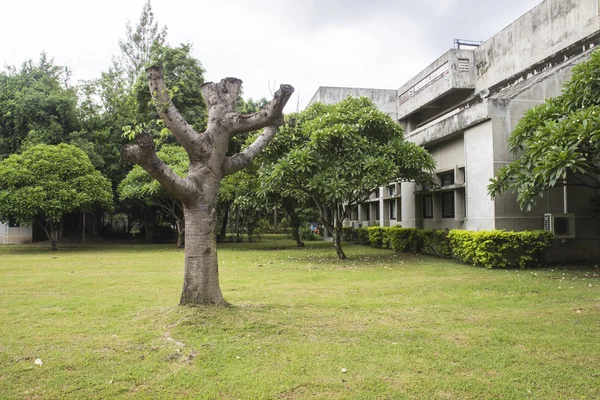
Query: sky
305,43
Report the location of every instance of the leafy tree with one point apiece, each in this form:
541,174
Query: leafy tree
45,182
183,75
557,142
208,165
138,42
140,187
36,106
339,154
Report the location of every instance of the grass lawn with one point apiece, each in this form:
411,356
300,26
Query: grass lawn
104,321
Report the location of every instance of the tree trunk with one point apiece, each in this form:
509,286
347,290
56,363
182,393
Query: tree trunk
223,231
294,221
337,239
180,233
201,276
83,227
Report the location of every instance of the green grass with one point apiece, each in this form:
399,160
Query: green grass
105,323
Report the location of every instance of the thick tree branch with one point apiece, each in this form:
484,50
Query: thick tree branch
271,114
143,154
174,121
241,160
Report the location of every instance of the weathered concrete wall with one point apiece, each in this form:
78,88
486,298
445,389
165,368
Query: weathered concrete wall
384,99
449,154
455,69
479,165
449,124
15,235
549,27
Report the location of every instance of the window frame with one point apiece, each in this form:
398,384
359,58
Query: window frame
450,196
427,211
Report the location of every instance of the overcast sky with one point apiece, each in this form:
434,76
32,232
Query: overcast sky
306,43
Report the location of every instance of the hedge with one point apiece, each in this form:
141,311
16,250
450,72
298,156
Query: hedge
490,249
500,249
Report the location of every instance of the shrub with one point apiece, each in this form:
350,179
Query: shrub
307,234
406,240
499,249
363,236
378,237
436,243
348,234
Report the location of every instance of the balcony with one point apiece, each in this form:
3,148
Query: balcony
446,82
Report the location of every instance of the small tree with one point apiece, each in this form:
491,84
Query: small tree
339,154
558,142
141,187
46,182
208,165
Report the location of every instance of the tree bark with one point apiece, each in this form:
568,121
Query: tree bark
180,233
337,239
201,275
294,221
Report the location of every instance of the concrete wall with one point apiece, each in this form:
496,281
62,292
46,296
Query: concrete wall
15,235
479,168
449,154
384,99
549,27
455,69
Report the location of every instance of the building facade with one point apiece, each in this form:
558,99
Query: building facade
464,106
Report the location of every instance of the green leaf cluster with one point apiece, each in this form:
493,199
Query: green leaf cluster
556,141
338,154
46,182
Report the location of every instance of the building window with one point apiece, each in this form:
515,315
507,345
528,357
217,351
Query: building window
392,190
447,179
377,211
428,206
393,209
448,205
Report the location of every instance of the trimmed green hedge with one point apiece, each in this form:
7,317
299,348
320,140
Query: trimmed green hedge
490,249
500,249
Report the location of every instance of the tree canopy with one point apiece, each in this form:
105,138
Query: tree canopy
338,154
36,106
139,187
557,142
45,182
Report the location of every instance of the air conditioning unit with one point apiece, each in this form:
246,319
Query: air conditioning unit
562,225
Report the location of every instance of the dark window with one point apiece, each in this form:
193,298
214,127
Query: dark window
392,190
377,211
447,179
428,206
393,209
448,205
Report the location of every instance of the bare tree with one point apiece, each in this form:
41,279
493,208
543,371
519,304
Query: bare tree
208,165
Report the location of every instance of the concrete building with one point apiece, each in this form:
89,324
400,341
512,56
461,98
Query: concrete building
463,107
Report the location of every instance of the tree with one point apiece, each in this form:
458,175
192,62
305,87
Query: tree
45,182
557,142
183,76
141,187
36,106
138,43
339,154
208,165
